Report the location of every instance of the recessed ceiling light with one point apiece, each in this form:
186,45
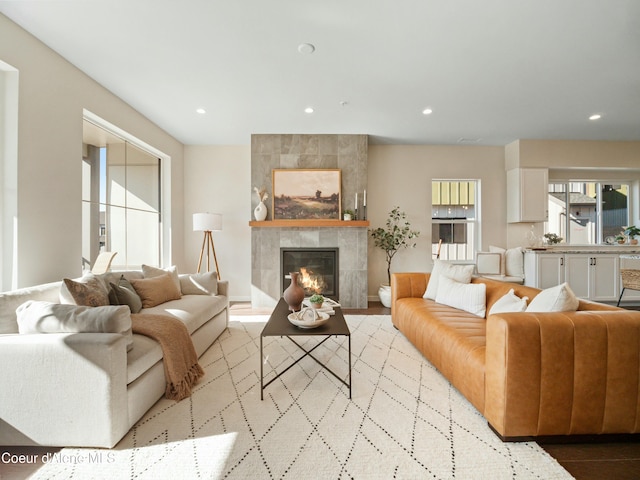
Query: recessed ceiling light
201,111
595,116
308,110
306,48
427,111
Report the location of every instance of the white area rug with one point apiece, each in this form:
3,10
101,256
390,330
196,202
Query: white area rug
405,421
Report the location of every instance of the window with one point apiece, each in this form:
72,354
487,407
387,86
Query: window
454,218
586,213
121,198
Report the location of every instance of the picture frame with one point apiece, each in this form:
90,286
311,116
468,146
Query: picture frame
306,194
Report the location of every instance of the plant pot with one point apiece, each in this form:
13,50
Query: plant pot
384,293
317,305
346,217
633,241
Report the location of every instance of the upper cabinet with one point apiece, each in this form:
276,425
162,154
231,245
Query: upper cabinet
527,191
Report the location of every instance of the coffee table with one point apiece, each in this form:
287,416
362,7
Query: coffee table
279,326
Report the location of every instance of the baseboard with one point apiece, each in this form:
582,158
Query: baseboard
569,439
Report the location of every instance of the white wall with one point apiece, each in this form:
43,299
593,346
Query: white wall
400,175
217,179
52,96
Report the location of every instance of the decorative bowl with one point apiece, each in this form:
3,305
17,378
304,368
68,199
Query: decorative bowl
308,318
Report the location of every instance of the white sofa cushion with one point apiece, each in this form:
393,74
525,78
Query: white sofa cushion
514,262
459,273
193,310
470,297
45,317
199,283
509,302
555,299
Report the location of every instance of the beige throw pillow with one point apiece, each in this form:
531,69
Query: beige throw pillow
150,272
156,290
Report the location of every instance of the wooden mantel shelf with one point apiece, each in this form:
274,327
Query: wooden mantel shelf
309,223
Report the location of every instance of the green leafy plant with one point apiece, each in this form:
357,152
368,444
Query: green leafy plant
552,238
632,231
396,236
316,298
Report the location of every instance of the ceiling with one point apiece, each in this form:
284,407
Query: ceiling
492,71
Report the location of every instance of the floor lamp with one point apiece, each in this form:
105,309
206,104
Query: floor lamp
207,222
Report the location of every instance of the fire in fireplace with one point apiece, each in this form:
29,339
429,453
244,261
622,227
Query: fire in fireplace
318,269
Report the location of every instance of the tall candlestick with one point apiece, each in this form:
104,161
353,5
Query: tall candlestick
364,201
356,200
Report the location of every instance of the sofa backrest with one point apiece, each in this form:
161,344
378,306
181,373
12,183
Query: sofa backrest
10,301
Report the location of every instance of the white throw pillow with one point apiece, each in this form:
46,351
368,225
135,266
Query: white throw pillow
470,297
509,302
46,317
460,273
488,263
514,262
501,251
555,299
199,283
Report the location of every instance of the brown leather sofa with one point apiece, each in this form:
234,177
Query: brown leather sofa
530,374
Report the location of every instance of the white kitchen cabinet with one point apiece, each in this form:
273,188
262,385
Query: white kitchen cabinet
527,195
543,270
592,276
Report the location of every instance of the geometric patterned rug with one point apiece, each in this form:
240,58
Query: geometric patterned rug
404,419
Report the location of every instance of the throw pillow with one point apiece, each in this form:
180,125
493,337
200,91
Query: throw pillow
488,263
509,302
199,284
156,290
45,317
514,262
470,297
501,251
123,293
460,273
555,299
150,272
90,292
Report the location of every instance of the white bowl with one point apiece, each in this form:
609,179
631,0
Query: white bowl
308,318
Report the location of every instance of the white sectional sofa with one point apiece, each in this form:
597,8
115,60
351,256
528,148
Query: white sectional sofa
86,389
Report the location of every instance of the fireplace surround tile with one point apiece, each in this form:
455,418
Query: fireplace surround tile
346,152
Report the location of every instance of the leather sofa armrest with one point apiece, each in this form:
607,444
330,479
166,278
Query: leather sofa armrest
408,284
63,389
564,373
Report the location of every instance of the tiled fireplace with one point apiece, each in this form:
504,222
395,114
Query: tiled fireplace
349,154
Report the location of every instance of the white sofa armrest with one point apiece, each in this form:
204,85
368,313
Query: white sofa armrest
223,287
67,389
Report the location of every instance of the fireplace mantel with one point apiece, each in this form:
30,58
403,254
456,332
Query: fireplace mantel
309,223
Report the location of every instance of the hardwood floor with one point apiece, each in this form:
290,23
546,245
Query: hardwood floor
596,460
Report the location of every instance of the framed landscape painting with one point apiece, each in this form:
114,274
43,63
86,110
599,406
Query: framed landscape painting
300,194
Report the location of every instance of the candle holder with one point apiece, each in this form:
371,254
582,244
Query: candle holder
364,212
355,216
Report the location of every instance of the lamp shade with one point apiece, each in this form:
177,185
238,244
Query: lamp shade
207,222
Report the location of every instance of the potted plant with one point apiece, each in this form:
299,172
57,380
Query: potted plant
348,215
632,232
316,300
552,238
396,236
